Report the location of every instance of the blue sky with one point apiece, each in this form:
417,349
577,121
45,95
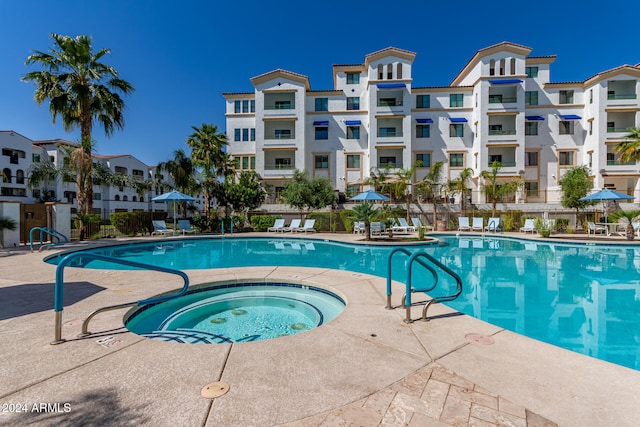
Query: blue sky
181,56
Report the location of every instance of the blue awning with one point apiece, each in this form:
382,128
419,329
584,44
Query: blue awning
321,123
353,122
391,85
538,118
458,120
424,120
505,82
569,117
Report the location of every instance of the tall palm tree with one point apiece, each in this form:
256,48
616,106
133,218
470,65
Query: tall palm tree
459,185
495,190
629,148
366,212
182,171
207,152
82,91
432,183
404,178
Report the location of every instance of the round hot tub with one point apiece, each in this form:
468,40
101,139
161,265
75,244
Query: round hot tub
236,312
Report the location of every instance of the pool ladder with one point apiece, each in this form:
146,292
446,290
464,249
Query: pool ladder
420,258
60,238
58,303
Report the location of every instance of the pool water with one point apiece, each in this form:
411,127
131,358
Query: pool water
585,298
236,313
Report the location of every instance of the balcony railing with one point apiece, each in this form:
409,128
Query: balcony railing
504,164
615,162
388,133
279,136
502,132
501,100
389,103
611,129
280,106
278,167
612,96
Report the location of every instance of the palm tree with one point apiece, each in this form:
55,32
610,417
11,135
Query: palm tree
404,178
365,212
629,148
494,190
207,145
6,224
631,217
81,90
459,185
182,171
433,186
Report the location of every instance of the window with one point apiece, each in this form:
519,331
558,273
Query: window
425,158
125,198
531,128
283,163
455,100
399,70
322,104
283,105
380,72
322,161
353,78
353,103
565,158
456,130
566,127
245,106
456,160
283,133
495,158
252,135
423,131
531,158
388,131
531,72
245,134
611,126
591,96
19,176
322,132
236,134
117,198
492,67
531,97
502,67
387,161
6,175
389,71
495,99
423,101
35,158
353,132
236,106
513,66
353,161
591,127
252,105
495,129
566,97
531,188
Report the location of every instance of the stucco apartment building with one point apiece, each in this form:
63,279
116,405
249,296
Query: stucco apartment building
501,106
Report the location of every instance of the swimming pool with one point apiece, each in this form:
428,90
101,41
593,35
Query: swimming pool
585,298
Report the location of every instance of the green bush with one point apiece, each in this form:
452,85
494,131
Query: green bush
346,217
262,222
132,223
562,224
325,220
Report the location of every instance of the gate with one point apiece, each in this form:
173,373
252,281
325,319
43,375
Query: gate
33,215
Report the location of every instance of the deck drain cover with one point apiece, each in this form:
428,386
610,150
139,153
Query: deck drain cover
213,390
479,339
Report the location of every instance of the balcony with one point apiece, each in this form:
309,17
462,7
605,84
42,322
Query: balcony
503,164
389,133
280,135
499,99
281,165
389,102
494,132
281,105
615,96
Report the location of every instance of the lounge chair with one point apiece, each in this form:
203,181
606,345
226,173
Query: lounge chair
403,226
493,224
463,224
295,224
595,229
377,228
636,227
278,225
529,225
358,227
308,226
185,226
418,224
478,224
160,227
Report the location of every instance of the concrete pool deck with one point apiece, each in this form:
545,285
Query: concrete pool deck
366,367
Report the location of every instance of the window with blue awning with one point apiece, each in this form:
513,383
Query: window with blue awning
321,123
505,82
424,120
570,117
391,85
538,118
458,120
353,122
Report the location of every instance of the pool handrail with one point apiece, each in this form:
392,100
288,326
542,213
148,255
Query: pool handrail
435,300
408,253
61,238
58,299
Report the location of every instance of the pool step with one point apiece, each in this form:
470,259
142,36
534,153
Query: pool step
187,336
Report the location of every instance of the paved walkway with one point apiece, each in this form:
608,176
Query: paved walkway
365,368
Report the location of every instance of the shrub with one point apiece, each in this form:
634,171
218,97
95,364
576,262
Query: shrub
262,222
132,223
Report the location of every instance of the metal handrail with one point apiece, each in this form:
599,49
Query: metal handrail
435,300
50,231
406,252
58,303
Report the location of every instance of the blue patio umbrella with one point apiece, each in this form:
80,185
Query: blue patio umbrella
370,196
604,196
173,196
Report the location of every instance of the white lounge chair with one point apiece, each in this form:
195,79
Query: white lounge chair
377,228
595,229
185,226
358,227
403,226
278,225
478,224
160,227
529,225
418,224
308,226
493,224
295,224
463,224
636,227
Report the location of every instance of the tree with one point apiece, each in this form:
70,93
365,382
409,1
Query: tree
404,178
629,148
81,90
245,194
6,224
207,145
365,212
631,217
433,186
495,190
182,171
575,184
302,193
459,185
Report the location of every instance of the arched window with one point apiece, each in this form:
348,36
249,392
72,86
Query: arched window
117,198
134,199
141,199
389,71
380,72
125,198
492,67
6,175
399,71
513,66
19,176
502,67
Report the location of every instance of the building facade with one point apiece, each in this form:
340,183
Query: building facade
502,106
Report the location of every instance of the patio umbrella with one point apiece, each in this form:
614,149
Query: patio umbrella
604,196
173,196
370,196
